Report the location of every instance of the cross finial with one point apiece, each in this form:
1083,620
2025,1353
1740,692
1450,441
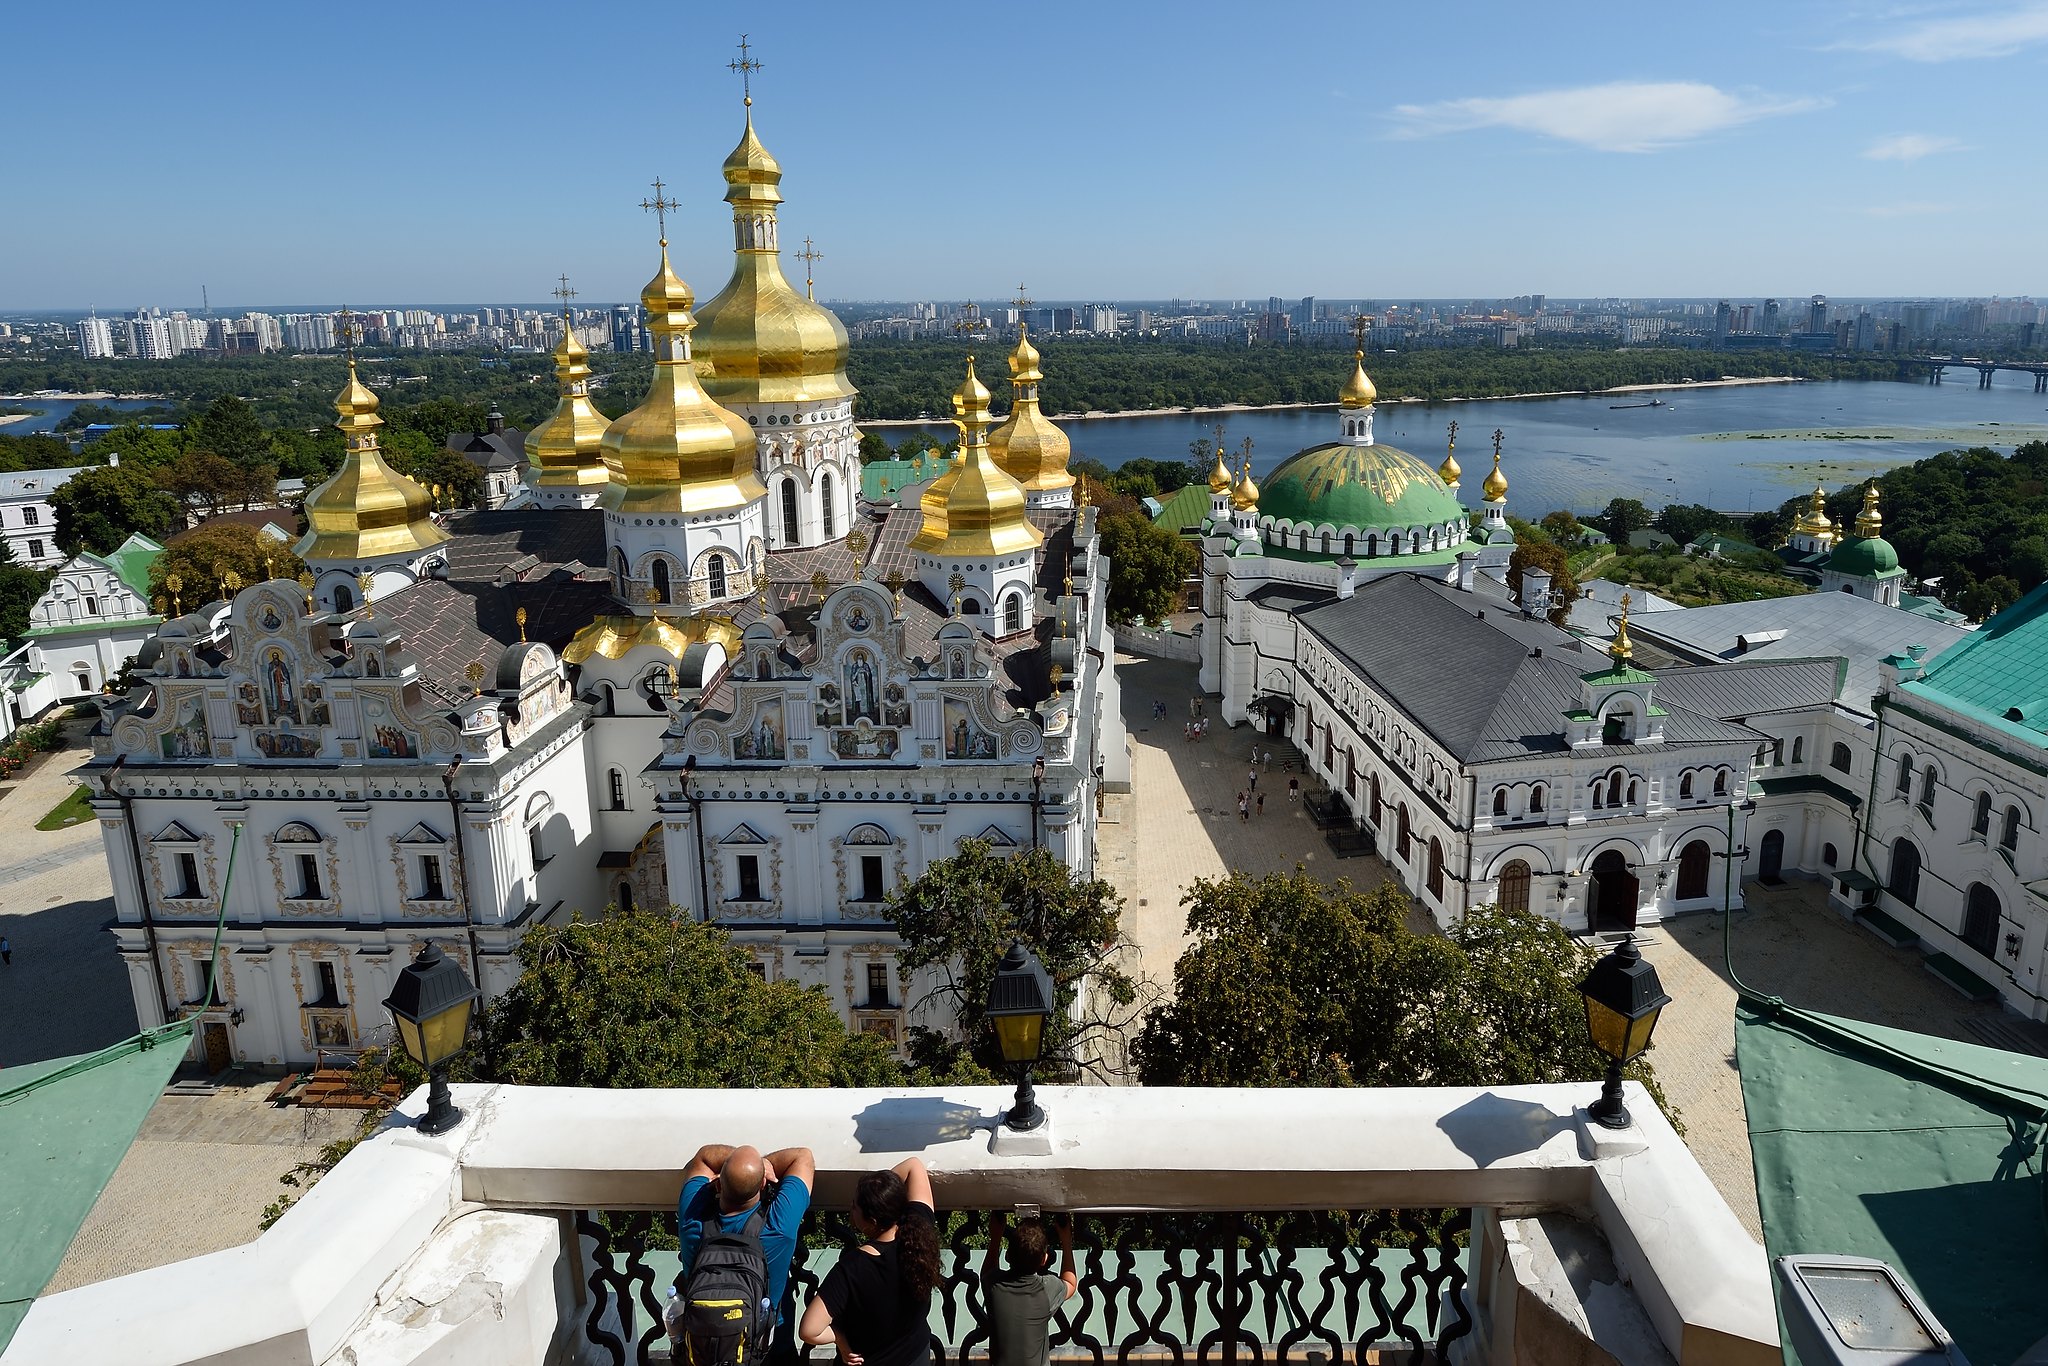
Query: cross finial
1625,600
520,617
1496,444
1454,435
348,331
564,293
659,207
1023,300
746,66
970,320
1359,323
809,256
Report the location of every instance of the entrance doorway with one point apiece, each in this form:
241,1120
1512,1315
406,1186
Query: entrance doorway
1771,856
220,1055
1614,890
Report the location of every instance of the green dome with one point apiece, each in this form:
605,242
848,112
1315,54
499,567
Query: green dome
1365,487
1865,558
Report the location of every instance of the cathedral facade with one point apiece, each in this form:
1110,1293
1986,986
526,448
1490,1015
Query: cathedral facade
686,666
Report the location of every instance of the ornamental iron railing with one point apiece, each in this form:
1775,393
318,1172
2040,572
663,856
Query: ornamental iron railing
1237,1288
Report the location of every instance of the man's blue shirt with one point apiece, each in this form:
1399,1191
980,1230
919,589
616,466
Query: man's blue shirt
699,1204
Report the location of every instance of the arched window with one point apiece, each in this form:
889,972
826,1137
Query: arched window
1927,790
1013,612
1436,868
1599,795
619,573
1980,919
830,522
1685,786
1694,861
1401,831
1348,538
1377,804
970,607
2009,836
615,790
1980,816
1614,790
1798,749
344,600
1631,791
716,571
1500,801
660,580
1326,542
1838,758
1905,787
1721,782
625,898
1372,546
1904,880
789,532
1829,855
1514,886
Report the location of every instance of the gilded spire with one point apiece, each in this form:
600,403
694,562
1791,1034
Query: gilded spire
1495,488
1029,447
1244,494
1449,470
1358,391
567,451
1622,650
678,451
975,507
1219,478
367,509
1869,522
1816,521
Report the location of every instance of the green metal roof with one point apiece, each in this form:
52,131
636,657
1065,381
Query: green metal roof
131,562
1365,487
65,1124
882,480
1924,1152
1185,508
1931,608
1866,558
74,628
1999,672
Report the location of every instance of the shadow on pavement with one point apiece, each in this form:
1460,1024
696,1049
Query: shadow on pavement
66,991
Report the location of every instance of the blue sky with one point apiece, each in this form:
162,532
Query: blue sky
440,152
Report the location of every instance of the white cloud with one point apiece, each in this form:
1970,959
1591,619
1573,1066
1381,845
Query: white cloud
1991,33
1910,209
1911,147
1624,116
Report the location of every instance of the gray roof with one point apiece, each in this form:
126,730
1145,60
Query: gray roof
490,450
1813,625
36,483
1599,604
1486,684
1750,687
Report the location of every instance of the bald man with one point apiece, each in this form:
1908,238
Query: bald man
725,1183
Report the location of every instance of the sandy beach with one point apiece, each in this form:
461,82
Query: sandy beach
6,418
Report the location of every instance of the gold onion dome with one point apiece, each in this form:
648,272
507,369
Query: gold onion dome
1244,494
1496,486
1450,470
1623,649
1870,522
975,507
759,340
1219,478
678,451
1029,447
367,509
1358,391
568,449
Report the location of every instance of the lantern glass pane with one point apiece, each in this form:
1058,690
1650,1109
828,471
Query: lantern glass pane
1021,1036
409,1039
1639,1033
443,1033
1608,1027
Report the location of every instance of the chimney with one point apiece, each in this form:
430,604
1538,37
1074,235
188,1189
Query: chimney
1347,575
1468,565
1535,591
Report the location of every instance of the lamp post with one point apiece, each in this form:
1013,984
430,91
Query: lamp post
1037,797
1019,1004
430,1003
1623,999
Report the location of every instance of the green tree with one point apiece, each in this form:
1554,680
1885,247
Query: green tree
20,586
99,508
203,478
645,999
230,429
1687,522
1622,518
1541,554
873,447
1292,982
1981,599
1562,527
1148,567
959,917
205,555
430,463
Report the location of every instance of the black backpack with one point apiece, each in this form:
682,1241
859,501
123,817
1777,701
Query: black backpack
723,1323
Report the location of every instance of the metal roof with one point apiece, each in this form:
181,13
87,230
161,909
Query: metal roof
2000,672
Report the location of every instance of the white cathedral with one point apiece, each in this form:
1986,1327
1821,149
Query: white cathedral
690,666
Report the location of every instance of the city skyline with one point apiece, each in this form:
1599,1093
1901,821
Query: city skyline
1094,153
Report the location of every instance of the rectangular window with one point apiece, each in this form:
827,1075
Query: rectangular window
92,605
35,550
533,847
878,986
188,876
430,878
309,878
31,516
758,968
750,877
871,877
617,782
330,989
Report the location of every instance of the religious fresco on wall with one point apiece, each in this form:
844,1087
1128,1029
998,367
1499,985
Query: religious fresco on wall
248,705
270,619
763,740
864,741
280,695
863,689
895,706
828,705
856,618
965,737
387,738
285,744
317,712
187,737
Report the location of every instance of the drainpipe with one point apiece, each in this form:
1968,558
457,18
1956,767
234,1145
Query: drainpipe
697,821
1870,799
476,957
156,967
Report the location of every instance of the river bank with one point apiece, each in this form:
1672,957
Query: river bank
1224,409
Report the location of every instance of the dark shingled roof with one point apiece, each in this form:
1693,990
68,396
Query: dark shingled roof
484,543
490,450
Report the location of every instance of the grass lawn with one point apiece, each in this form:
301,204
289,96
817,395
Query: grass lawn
69,812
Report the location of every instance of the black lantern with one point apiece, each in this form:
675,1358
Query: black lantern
1623,999
1019,1004
431,1004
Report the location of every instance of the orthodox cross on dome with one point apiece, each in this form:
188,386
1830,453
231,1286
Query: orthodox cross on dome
809,256
1023,300
1360,322
746,66
365,582
1454,435
348,330
659,207
564,293
970,320
1496,445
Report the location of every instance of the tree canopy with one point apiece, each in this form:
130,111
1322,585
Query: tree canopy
98,509
1148,564
1538,550
205,555
1292,982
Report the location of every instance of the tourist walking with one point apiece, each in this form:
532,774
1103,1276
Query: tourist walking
1244,809
1254,780
1262,803
875,1301
1293,788
1266,759
1021,1301
735,1248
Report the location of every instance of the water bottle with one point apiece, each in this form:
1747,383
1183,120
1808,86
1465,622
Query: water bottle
672,1316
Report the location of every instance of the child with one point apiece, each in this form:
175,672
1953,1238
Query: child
1022,1300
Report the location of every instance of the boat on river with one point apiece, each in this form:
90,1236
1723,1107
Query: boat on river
1653,403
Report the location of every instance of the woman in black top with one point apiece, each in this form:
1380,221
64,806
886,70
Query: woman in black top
875,1304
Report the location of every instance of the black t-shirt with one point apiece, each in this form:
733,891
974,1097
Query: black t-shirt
870,1307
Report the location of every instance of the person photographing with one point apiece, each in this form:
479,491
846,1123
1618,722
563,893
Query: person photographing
1022,1300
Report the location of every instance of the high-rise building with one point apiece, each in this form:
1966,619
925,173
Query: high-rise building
1305,311
1746,319
95,338
310,331
1771,316
1102,320
1817,314
149,336
626,334
1866,332
1724,320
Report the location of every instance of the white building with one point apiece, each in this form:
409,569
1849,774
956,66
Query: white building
646,684
95,338
27,519
89,623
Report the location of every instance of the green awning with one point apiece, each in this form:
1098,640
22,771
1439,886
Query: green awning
65,1124
1924,1152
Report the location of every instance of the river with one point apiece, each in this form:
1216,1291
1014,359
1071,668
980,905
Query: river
1579,452
50,411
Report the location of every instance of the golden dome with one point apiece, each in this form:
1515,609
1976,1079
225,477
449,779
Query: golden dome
759,340
1450,470
1219,478
1815,522
678,451
1869,522
974,508
367,509
1244,495
1358,391
1029,447
567,450
1496,486
1622,649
